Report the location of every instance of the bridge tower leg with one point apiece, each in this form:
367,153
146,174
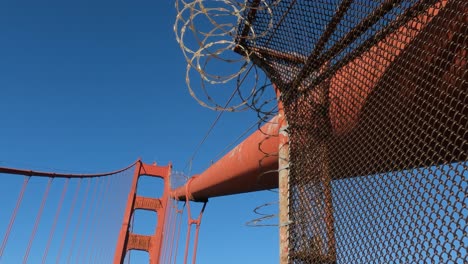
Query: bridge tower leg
153,243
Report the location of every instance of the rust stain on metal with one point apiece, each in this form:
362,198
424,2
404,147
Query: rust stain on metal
139,242
147,203
283,184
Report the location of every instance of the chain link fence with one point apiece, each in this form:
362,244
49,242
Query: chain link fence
375,96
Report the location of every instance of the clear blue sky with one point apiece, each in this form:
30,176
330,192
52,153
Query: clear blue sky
90,86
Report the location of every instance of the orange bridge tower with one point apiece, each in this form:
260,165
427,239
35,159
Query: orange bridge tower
153,243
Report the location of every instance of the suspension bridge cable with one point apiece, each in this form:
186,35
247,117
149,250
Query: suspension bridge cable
101,256
178,232
80,216
132,224
87,221
94,251
189,162
174,229
167,228
92,229
255,124
15,163
120,187
197,233
52,214
37,221
13,216
60,175
54,225
69,218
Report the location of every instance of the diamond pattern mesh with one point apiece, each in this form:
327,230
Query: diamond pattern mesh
375,96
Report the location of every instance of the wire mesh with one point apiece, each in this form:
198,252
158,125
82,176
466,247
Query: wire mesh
375,96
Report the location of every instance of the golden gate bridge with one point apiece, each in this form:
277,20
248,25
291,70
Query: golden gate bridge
368,146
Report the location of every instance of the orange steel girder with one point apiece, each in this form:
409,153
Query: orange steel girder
128,240
251,166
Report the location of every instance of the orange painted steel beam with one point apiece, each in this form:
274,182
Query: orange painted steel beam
251,166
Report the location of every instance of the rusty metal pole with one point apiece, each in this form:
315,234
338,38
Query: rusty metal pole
326,177
283,183
329,218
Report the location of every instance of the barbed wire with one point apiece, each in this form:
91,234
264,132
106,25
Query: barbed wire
208,32
263,217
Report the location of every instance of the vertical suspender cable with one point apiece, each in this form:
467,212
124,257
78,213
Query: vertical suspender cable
95,223
13,215
67,225
80,214
192,221
86,222
197,231
180,212
189,216
167,231
173,230
37,221
132,223
54,225
103,253
172,224
100,221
